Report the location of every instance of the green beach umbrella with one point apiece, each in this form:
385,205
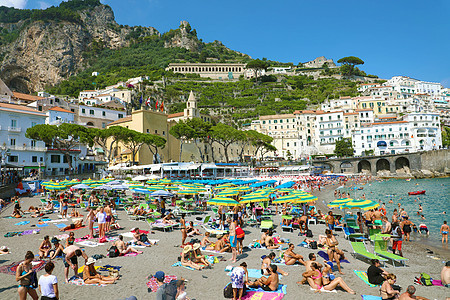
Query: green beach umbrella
284,199
55,187
222,201
339,202
360,204
188,192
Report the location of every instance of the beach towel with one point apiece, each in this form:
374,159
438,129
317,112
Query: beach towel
215,252
80,269
74,228
60,226
437,282
153,285
322,290
107,268
363,276
62,236
45,220
324,255
11,268
22,223
29,232
56,221
256,273
79,281
91,244
42,225
150,242
281,289
253,295
370,297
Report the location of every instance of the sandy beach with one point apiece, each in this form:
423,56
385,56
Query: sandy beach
208,283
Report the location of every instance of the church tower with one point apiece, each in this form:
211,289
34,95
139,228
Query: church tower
191,110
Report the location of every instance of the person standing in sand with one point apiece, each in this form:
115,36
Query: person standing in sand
183,229
101,219
23,276
233,239
70,259
109,217
90,219
444,231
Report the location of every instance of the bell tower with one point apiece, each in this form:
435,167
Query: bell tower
191,110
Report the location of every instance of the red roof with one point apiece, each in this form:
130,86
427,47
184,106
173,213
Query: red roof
126,119
26,97
57,108
180,114
20,107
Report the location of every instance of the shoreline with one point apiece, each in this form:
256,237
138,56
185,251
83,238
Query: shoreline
326,195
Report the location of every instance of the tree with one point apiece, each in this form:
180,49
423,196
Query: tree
446,136
201,134
349,63
63,138
257,65
344,147
154,142
225,135
133,140
259,140
266,148
182,132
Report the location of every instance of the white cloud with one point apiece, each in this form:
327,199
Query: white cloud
14,3
43,5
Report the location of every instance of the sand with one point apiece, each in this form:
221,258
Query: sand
208,283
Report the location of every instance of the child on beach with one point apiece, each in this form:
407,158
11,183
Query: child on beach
444,231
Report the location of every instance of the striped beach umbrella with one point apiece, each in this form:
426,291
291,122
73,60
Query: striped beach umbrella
55,187
360,204
339,202
222,201
188,192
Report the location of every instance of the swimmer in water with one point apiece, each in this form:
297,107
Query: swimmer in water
390,201
420,208
422,217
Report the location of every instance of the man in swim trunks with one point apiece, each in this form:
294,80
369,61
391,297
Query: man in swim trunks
423,229
330,220
71,254
77,224
444,231
409,294
266,262
233,238
269,284
124,248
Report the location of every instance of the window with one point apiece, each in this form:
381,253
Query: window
103,113
40,108
295,144
13,123
164,133
148,130
287,144
41,158
34,159
72,110
12,142
103,125
33,143
13,158
156,131
91,112
120,116
264,122
65,160
33,124
55,159
83,111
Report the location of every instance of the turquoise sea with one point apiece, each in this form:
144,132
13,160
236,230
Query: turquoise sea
434,201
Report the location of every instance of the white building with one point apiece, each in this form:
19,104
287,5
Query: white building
330,126
86,94
23,152
57,115
431,88
97,116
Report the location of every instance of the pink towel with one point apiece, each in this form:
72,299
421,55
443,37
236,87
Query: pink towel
437,282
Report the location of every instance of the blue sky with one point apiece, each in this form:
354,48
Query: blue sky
398,37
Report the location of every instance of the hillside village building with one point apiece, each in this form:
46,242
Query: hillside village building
219,71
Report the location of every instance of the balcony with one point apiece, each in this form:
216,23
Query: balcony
14,129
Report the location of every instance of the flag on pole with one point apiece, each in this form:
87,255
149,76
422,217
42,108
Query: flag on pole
156,106
140,100
148,101
162,107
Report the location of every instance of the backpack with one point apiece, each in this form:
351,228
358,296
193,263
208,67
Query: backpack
228,291
426,279
309,233
170,290
113,252
313,245
144,238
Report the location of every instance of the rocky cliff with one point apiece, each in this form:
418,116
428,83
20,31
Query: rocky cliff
45,52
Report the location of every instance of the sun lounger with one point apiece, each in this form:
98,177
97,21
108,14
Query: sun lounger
373,232
381,250
161,226
350,234
213,231
360,249
266,225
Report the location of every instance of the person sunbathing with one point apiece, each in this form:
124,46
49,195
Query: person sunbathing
312,259
197,256
263,239
17,213
266,262
45,247
287,221
75,225
168,219
75,213
140,238
269,242
185,258
124,248
49,206
303,223
91,276
205,240
290,257
222,245
191,231
315,280
334,253
268,284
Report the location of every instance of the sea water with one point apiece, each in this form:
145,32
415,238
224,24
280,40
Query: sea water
434,202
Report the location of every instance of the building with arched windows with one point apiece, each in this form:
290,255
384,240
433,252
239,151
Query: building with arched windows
221,71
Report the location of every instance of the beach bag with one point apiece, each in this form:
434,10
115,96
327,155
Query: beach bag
170,290
309,233
313,245
240,233
34,280
113,252
425,279
144,238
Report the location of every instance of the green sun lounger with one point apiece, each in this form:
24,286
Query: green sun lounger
266,225
381,250
373,232
360,249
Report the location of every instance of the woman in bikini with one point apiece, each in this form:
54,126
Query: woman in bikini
183,229
90,218
197,256
109,217
191,231
315,280
45,247
291,258
185,258
386,290
334,253
90,275
70,240
23,276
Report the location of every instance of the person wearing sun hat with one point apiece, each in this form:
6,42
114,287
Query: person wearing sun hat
186,258
197,256
90,275
4,250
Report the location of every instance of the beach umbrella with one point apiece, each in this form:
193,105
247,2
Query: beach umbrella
188,192
161,193
136,186
81,186
119,187
51,182
222,201
140,191
285,199
224,186
55,187
305,198
152,181
360,204
254,198
339,202
103,187
228,193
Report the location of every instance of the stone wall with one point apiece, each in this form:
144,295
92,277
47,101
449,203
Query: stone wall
436,161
